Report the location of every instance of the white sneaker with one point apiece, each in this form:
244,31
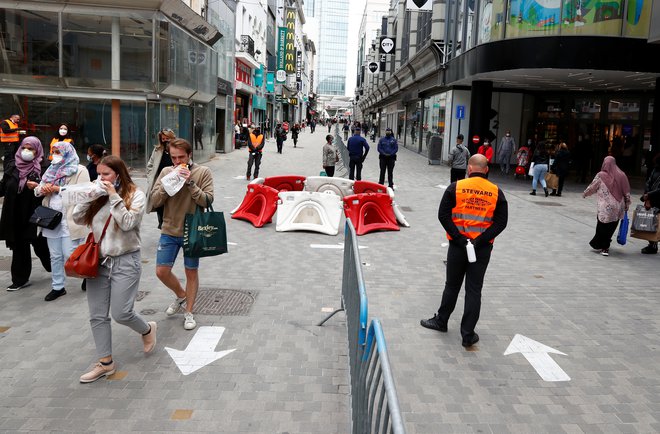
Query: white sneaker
188,321
174,306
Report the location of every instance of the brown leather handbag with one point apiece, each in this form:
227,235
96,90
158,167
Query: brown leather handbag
84,261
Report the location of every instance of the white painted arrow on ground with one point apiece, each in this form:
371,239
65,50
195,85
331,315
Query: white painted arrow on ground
537,355
200,351
338,246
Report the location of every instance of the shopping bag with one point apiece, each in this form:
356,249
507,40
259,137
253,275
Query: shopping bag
552,181
644,220
204,233
623,230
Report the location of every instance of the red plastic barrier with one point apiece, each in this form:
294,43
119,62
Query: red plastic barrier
370,212
368,187
258,206
286,182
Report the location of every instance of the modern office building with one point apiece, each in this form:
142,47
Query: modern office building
585,72
116,73
332,46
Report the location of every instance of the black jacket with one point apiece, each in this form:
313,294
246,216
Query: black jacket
562,161
17,208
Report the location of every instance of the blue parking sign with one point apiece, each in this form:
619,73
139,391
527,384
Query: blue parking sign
460,112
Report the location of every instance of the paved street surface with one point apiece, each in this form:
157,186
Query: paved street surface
289,376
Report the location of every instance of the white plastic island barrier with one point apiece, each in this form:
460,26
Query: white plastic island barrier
309,211
339,186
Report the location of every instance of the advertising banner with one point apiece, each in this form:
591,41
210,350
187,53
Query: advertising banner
290,54
299,66
281,54
270,82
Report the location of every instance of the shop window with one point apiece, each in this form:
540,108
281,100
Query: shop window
136,39
87,49
622,109
587,109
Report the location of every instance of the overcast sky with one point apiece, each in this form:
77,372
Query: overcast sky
355,11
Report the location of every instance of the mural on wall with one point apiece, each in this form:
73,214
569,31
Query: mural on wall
533,17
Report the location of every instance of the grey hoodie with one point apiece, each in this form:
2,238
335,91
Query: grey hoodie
458,157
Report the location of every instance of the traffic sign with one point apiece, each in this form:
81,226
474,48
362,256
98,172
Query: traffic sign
460,112
475,139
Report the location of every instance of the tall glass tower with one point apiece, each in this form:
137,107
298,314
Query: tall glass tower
332,46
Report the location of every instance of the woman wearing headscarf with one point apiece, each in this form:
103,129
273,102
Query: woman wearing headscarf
64,170
613,190
160,159
17,185
62,135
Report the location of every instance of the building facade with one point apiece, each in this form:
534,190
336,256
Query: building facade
583,72
332,50
115,74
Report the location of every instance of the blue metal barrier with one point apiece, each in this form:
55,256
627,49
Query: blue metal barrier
369,367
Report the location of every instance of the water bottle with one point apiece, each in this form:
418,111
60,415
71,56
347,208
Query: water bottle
472,257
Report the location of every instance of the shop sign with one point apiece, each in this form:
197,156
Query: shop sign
270,82
224,87
290,56
299,66
419,5
293,101
373,67
387,45
281,54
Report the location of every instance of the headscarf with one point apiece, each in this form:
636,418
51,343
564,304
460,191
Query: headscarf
57,173
27,167
614,179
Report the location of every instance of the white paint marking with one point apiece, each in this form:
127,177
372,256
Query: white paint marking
229,197
444,244
441,186
239,177
537,355
339,246
200,351
231,244
327,309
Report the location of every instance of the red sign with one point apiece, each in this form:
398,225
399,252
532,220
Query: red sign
475,139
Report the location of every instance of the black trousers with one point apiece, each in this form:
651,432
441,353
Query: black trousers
9,152
256,159
387,163
21,258
603,237
280,144
355,169
329,170
560,183
458,268
198,140
457,174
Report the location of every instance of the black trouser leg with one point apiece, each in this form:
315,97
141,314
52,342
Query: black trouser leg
457,174
390,171
474,281
560,184
40,246
329,170
456,267
351,169
603,237
249,166
21,262
383,165
358,170
257,163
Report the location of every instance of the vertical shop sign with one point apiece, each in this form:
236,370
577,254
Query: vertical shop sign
270,82
299,66
281,54
290,56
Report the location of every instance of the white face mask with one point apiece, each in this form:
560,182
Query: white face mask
89,157
27,155
57,159
63,132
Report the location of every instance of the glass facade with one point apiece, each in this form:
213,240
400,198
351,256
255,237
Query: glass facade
76,79
332,47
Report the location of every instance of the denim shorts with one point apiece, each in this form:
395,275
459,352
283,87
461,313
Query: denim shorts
168,249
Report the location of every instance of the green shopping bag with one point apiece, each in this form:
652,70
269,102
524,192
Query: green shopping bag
204,233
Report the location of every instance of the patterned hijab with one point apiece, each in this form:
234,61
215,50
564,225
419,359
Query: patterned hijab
614,178
27,167
58,173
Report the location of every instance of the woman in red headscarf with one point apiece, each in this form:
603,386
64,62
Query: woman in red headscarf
613,190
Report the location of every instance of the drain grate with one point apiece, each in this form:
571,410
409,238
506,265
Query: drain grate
148,312
141,295
406,209
548,203
215,301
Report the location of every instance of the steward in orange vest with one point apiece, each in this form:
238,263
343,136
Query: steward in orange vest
472,210
9,137
256,144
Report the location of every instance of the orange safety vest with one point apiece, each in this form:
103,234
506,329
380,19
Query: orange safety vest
256,141
9,137
476,198
52,143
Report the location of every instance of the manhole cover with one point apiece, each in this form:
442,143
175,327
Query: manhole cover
148,312
406,209
548,203
5,263
141,295
213,301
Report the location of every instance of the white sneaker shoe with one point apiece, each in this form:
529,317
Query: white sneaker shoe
174,306
188,321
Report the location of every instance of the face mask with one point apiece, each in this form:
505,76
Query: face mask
508,135
57,159
89,157
63,132
27,155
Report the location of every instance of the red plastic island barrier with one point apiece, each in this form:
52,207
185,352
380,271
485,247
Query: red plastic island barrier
370,212
286,182
258,206
368,187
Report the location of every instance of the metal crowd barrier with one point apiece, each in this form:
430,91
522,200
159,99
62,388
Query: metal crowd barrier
341,169
369,368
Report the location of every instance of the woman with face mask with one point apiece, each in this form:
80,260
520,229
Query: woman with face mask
64,170
114,290
160,158
94,155
61,136
17,185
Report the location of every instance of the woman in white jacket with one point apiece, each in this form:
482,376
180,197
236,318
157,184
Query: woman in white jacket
114,290
64,170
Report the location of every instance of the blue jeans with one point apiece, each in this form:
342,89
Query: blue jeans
539,175
60,250
168,249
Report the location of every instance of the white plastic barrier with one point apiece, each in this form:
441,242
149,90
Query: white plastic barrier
339,186
397,210
309,211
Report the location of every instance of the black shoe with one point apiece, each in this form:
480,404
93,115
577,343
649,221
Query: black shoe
17,286
533,193
546,192
554,193
434,323
648,250
54,295
83,285
471,341
558,194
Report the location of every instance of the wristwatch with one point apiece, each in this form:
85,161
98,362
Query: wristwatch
190,183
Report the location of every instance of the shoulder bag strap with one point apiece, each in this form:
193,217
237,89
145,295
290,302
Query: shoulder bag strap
104,228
